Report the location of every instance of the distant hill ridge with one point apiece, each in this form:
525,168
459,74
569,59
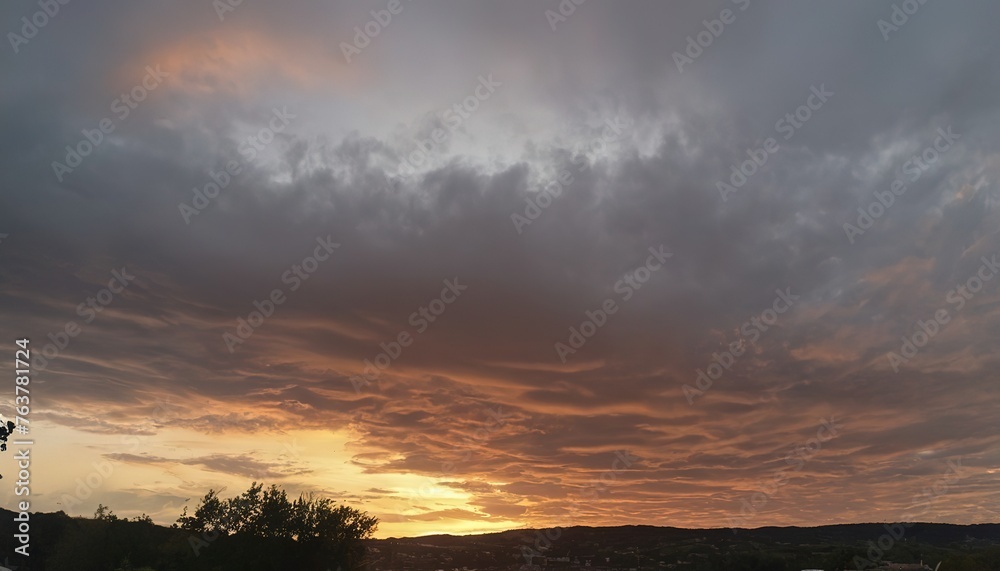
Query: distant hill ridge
843,546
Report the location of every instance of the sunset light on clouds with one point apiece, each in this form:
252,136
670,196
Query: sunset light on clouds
496,269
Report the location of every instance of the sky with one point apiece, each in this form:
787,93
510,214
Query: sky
473,266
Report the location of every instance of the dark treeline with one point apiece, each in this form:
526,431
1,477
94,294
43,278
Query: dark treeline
258,530
851,547
262,529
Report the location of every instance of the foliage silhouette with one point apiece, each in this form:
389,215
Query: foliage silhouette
262,525
258,530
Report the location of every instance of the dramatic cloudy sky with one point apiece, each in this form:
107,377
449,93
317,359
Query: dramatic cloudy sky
481,422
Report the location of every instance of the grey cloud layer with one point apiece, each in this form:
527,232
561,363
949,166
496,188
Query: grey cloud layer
494,347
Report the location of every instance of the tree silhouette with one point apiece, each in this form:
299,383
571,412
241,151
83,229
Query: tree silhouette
5,431
261,528
104,513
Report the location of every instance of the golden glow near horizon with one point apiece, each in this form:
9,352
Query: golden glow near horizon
155,475
500,340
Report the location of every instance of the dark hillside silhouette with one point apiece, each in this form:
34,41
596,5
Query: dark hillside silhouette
258,530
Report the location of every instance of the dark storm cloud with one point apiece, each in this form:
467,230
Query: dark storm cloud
494,345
